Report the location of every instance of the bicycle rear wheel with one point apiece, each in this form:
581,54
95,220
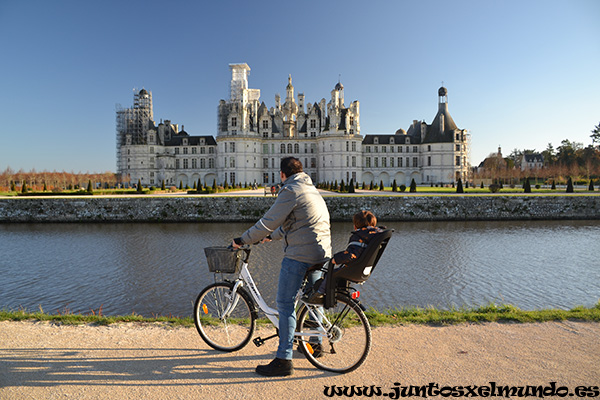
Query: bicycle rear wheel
223,332
348,341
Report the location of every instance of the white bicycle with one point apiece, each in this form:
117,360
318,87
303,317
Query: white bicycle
334,338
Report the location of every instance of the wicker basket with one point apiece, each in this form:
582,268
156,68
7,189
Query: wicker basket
223,259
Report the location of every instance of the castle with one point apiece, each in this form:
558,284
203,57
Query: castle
251,139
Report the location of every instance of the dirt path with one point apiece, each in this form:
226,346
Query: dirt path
131,361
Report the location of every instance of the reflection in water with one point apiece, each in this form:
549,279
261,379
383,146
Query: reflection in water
158,269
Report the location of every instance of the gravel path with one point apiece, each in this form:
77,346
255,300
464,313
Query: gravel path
39,360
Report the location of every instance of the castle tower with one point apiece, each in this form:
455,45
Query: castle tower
239,81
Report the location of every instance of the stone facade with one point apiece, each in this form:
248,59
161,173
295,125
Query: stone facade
252,138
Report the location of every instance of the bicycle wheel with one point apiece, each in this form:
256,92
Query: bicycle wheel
348,339
222,332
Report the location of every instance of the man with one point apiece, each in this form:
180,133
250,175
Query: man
300,217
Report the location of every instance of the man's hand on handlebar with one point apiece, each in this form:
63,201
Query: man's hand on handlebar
236,243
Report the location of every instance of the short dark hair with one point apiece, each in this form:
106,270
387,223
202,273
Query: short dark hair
290,166
364,218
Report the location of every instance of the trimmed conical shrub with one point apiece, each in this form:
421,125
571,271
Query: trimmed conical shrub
413,186
459,186
570,186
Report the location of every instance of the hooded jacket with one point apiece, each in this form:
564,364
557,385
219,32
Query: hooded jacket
300,217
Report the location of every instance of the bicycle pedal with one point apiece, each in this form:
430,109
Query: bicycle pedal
258,341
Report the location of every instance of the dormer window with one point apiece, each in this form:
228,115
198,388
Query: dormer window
392,140
185,142
407,140
376,140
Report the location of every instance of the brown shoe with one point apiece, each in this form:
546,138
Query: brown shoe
277,367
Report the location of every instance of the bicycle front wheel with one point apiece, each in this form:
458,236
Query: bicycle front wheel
348,340
224,320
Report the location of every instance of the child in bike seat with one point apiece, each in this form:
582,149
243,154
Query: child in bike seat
365,226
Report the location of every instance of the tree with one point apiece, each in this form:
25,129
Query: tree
139,186
591,187
413,186
394,186
381,185
459,186
570,186
596,134
162,186
90,190
553,185
24,187
342,186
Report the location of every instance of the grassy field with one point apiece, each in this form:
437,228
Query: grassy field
430,316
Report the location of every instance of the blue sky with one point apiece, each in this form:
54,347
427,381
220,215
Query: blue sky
520,74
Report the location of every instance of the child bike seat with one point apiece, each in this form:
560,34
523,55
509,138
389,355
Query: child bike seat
358,270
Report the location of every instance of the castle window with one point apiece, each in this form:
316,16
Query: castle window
194,150
289,148
376,162
233,121
194,163
368,162
383,149
353,146
202,163
458,147
211,163
202,150
313,123
428,147
399,149
368,150
211,150
415,162
458,161
282,148
415,149
384,162
351,120
392,162
265,163
176,150
429,161
296,148
265,124
185,150
232,147
399,162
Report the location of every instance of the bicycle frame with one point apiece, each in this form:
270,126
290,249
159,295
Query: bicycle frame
244,278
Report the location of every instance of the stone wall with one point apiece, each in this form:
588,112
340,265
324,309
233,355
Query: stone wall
341,208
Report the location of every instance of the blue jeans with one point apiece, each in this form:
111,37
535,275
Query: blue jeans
290,279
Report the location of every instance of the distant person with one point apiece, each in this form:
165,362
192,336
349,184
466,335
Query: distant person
300,217
365,227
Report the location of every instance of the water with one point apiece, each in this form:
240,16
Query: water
158,269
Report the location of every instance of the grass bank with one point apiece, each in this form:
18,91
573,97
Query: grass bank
414,315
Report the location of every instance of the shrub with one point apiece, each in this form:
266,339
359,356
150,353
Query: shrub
570,186
402,188
413,186
459,186
527,186
494,188
591,187
553,185
381,185
351,188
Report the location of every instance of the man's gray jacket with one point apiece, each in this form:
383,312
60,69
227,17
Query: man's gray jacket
300,217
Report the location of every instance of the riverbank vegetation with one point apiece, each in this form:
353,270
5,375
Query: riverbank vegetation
402,316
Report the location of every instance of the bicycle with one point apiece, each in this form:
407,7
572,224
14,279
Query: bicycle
334,338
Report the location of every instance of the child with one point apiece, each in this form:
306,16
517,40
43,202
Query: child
365,226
